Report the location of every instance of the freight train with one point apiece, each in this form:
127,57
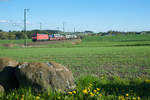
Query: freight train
47,37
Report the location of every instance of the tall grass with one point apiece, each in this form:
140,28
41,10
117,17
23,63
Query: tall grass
89,88
123,38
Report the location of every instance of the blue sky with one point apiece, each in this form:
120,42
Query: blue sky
95,15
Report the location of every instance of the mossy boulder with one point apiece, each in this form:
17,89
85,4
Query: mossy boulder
44,76
2,90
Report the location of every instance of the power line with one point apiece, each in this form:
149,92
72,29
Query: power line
40,26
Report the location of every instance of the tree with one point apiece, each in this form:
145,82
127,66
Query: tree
3,35
88,32
1,30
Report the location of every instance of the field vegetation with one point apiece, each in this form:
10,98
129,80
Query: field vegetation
105,67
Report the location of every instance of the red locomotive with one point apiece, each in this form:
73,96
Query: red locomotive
41,37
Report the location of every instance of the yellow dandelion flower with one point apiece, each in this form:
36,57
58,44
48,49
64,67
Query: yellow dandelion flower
70,93
22,99
74,92
147,81
85,91
95,91
134,98
121,98
127,95
37,97
138,98
92,95
127,98
98,89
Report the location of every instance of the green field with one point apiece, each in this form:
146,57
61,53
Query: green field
123,60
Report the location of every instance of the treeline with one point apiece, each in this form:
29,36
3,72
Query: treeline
21,34
122,33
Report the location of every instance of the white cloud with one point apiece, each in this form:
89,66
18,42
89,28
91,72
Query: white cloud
4,21
14,21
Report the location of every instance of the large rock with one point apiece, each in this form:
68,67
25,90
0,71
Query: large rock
7,75
4,62
44,76
1,89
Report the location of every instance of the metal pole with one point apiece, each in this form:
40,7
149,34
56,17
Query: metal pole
57,28
74,29
25,42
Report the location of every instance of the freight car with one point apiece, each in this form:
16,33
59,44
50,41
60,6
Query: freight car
46,37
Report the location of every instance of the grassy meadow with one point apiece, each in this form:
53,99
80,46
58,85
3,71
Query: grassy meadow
104,67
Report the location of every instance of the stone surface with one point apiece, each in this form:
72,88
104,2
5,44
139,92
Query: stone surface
4,62
44,76
2,89
7,75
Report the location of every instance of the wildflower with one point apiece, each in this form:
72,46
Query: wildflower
127,98
37,97
98,89
95,91
74,92
147,81
92,95
134,98
22,99
127,95
70,93
138,98
121,98
85,91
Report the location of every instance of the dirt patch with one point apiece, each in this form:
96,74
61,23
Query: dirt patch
38,43
77,42
8,45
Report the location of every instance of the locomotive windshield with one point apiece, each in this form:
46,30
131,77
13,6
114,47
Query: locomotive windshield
34,35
